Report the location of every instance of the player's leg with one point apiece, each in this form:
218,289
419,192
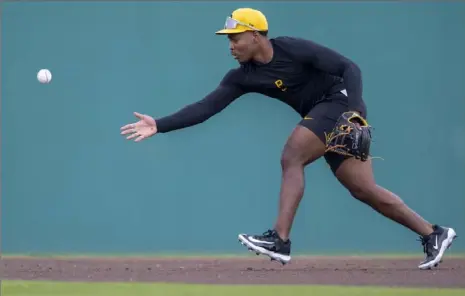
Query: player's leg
358,178
304,146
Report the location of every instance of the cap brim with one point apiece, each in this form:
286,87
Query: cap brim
229,31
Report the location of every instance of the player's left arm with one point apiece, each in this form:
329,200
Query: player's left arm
330,61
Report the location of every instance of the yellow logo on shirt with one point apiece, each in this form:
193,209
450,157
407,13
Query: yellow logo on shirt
280,84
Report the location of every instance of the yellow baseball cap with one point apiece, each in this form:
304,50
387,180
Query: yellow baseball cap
244,19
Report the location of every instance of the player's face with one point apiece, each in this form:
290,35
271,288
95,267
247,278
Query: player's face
242,46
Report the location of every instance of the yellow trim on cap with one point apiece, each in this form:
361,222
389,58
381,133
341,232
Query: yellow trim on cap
231,31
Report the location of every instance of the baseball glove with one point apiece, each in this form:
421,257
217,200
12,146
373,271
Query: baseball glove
351,136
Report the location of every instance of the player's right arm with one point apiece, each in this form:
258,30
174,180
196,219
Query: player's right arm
225,93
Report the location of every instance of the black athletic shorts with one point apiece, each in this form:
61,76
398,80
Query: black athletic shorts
322,118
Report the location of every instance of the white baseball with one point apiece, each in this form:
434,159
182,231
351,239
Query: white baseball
44,76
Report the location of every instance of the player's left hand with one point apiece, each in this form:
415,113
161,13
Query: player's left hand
351,136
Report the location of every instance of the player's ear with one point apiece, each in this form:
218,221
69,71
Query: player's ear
255,36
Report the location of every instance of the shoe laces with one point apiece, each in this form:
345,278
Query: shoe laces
424,242
427,243
269,233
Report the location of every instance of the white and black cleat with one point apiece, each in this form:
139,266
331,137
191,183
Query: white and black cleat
269,244
435,245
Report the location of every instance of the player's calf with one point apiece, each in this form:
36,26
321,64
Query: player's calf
358,178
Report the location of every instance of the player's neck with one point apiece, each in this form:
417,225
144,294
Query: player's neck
265,54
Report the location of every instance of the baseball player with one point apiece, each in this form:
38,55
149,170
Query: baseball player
325,89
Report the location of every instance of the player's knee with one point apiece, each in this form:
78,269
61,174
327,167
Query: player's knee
291,157
364,192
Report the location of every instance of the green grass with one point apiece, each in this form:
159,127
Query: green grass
22,288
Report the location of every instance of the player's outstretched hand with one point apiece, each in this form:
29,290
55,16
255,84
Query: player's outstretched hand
140,130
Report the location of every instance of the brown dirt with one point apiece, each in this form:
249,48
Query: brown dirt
259,270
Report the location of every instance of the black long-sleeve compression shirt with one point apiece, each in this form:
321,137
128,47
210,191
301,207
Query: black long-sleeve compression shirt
300,74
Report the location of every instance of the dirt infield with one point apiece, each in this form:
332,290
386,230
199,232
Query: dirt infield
257,270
